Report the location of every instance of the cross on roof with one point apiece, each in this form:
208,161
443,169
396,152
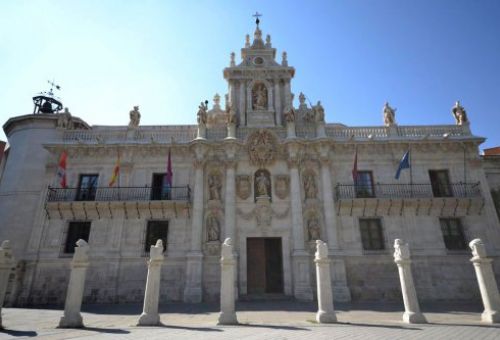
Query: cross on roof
256,16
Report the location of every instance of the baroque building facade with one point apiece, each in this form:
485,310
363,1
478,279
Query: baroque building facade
272,177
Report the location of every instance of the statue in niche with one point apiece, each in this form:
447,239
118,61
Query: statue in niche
214,187
310,188
135,117
213,228
202,113
262,184
259,97
319,112
460,114
313,229
389,115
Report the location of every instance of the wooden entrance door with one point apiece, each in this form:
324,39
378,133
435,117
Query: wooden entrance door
264,265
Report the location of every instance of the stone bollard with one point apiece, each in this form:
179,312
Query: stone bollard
326,313
486,281
7,262
412,312
150,316
72,317
227,314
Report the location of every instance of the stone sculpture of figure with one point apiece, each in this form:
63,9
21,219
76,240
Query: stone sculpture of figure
262,184
289,114
214,187
135,117
389,115
247,40
232,62
202,113
319,112
65,120
284,59
230,114
460,114
313,229
478,248
260,97
213,229
310,188
302,99
401,250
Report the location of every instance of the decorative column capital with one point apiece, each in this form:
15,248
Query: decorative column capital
230,164
198,164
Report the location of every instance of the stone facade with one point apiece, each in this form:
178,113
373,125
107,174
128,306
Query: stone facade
285,175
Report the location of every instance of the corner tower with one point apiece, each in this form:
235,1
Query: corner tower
259,87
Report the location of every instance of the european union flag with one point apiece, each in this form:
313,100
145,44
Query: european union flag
404,163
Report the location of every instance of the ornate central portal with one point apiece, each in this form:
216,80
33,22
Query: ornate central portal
264,265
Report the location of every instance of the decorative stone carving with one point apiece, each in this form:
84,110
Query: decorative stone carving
259,97
284,59
310,188
214,187
213,227
319,112
389,115
460,114
243,186
262,147
263,215
64,120
227,314
313,229
262,184
232,62
202,113
282,186
135,117
289,114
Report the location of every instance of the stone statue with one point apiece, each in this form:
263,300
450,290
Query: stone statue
289,114
389,115
284,59
202,113
262,184
232,62
268,40
401,250
310,188
319,112
460,114
230,114
135,117
313,229
214,187
213,228
65,121
247,40
478,248
302,99
259,97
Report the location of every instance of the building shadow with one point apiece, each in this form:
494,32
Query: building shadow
13,332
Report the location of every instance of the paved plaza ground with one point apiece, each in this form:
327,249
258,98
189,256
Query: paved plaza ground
259,320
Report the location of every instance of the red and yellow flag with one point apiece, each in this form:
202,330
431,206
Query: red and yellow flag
116,172
61,169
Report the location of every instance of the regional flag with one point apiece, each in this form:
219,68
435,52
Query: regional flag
116,172
355,167
61,169
404,163
169,175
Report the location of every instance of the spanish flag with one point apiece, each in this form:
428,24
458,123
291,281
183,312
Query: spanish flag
116,172
61,169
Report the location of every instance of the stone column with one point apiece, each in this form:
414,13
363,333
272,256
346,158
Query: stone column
72,317
300,257
326,313
486,281
192,291
230,198
227,314
277,101
412,312
150,316
329,207
242,104
7,262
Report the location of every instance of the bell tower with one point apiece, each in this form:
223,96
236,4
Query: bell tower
259,87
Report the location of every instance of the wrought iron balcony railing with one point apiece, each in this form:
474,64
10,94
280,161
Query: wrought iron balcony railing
351,191
107,194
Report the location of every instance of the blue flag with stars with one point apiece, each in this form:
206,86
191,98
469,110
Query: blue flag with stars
404,163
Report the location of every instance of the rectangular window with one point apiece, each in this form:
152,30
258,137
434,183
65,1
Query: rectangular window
372,237
453,234
156,230
440,183
87,187
364,184
76,231
159,188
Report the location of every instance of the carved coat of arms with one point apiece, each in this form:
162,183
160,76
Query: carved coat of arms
282,186
262,145
243,186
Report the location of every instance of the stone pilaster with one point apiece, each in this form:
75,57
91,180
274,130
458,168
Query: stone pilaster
487,283
193,291
300,257
73,304
7,262
277,101
412,312
150,316
227,314
241,102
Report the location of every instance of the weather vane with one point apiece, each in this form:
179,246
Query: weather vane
52,85
256,16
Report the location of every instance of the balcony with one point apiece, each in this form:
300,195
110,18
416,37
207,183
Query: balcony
454,199
126,202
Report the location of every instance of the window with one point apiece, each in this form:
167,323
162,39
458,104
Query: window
87,187
440,183
364,184
453,234
156,230
76,231
371,234
160,189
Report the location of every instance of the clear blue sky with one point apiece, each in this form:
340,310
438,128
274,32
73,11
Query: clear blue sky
166,57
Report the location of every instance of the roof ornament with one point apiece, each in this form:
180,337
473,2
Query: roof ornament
284,59
46,101
460,114
257,20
